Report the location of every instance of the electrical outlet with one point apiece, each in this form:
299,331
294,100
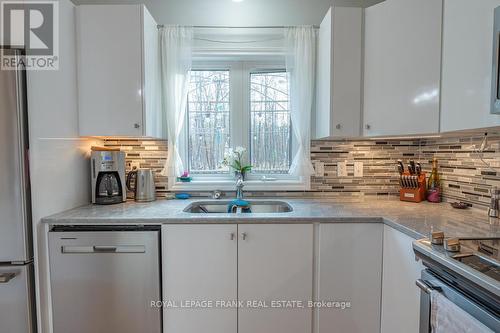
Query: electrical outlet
134,165
358,169
342,169
319,169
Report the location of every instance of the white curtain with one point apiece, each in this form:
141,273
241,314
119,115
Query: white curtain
300,46
175,63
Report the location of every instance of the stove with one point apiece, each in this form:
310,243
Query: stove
483,255
466,271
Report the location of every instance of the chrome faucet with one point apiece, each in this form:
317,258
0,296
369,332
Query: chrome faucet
239,188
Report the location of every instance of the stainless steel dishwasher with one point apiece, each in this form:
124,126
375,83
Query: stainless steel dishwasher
104,279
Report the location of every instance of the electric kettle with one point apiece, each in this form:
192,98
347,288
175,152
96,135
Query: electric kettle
144,184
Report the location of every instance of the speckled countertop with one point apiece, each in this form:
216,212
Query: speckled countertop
416,220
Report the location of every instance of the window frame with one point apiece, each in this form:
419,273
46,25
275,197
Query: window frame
240,106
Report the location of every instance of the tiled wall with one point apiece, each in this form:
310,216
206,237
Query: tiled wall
145,154
464,175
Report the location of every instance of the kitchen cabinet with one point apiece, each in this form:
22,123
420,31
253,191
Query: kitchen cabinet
118,71
400,296
275,263
199,263
338,79
402,66
467,65
262,263
350,270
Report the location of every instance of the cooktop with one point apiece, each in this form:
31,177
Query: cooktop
482,255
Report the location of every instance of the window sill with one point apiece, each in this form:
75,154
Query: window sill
250,185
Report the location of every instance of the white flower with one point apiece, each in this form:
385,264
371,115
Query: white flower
240,150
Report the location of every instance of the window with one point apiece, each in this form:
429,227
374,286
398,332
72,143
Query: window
236,103
270,134
208,120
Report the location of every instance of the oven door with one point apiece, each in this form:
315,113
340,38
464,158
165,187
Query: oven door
430,282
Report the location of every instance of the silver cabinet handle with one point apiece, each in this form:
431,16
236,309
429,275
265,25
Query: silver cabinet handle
244,235
232,236
136,125
368,126
339,126
6,277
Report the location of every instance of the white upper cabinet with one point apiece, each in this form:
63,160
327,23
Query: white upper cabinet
118,70
402,67
338,77
467,64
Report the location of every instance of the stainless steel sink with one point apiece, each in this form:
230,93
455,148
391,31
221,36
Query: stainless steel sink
221,206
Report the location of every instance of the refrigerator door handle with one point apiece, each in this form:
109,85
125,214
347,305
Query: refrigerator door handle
6,277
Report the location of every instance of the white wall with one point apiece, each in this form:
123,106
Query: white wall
58,158
467,64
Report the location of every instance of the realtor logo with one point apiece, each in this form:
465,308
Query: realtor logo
32,26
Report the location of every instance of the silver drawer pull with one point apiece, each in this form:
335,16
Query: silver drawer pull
6,277
103,249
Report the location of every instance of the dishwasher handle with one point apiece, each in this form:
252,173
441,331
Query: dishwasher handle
75,249
104,248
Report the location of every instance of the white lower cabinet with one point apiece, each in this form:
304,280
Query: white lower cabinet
199,263
262,263
350,270
265,265
400,296
275,263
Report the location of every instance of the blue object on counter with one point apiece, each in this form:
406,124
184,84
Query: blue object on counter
243,204
182,196
185,179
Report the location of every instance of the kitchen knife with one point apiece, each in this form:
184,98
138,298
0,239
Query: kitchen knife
412,165
418,168
410,169
401,167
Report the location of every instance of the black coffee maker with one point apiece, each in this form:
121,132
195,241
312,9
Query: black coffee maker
108,177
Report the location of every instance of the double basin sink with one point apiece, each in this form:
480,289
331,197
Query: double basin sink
222,206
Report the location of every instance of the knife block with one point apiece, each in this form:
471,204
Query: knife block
413,194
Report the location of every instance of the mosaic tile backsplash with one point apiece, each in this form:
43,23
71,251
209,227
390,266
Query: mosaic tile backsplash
464,175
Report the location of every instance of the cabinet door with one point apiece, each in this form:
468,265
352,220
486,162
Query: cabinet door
154,122
467,66
402,67
109,50
350,270
338,77
199,264
400,296
275,263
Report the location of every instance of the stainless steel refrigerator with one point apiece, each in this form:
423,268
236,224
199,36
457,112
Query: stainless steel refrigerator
17,313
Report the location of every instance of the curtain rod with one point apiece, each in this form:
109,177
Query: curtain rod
239,27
